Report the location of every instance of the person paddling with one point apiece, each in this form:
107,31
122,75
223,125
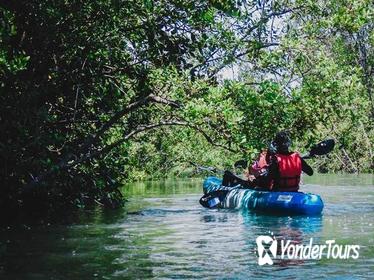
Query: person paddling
282,168
277,169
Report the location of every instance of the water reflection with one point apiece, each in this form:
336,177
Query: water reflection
164,233
214,219
297,229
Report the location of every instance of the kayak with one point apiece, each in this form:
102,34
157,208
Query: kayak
277,203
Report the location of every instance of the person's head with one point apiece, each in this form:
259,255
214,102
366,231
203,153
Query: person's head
282,141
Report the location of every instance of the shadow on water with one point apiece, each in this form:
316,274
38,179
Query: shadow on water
70,250
165,233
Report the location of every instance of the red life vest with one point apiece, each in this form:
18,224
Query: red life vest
259,168
259,165
289,172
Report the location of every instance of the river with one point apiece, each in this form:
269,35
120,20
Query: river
164,233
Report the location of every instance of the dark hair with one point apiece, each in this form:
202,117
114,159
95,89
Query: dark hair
282,140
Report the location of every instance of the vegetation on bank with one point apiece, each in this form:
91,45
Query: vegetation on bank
96,93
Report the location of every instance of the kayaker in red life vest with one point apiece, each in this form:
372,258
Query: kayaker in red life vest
278,169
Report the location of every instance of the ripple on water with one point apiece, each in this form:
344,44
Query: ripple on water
170,236
221,243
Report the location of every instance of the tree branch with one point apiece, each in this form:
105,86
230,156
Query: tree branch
91,140
97,153
131,107
210,140
141,129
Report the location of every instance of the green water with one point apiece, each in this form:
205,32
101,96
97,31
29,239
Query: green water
164,233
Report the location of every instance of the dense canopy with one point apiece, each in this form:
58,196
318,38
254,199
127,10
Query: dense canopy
96,93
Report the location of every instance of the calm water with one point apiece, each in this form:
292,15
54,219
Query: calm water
164,233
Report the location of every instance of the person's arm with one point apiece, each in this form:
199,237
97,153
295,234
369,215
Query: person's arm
230,180
271,173
273,167
306,167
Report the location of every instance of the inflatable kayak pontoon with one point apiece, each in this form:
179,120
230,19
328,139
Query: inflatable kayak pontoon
277,203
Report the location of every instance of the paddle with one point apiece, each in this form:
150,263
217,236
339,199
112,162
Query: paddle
320,149
213,199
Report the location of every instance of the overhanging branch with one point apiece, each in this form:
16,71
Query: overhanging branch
91,140
141,129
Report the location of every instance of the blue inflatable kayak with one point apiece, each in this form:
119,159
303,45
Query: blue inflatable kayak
277,203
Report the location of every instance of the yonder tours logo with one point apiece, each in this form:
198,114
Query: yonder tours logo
268,250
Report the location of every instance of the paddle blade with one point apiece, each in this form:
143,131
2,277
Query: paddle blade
213,199
322,148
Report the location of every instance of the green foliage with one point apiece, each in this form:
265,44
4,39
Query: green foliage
71,73
97,93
